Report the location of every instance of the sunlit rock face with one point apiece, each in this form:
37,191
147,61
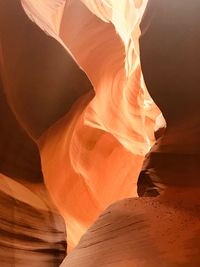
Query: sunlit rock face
83,167
96,150
162,231
92,149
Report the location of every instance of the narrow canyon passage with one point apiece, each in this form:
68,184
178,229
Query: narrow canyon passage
83,85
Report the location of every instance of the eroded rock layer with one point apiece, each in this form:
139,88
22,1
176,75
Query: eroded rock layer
32,233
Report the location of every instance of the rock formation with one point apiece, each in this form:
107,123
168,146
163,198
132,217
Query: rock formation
73,75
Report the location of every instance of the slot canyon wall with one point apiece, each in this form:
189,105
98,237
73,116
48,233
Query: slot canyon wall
77,123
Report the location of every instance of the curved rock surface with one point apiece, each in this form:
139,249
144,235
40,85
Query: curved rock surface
31,230
92,142
116,125
144,232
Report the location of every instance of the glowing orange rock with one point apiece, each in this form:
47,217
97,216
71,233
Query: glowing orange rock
92,156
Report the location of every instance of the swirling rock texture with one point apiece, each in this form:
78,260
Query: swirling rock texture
31,230
154,232
92,151
32,233
111,128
